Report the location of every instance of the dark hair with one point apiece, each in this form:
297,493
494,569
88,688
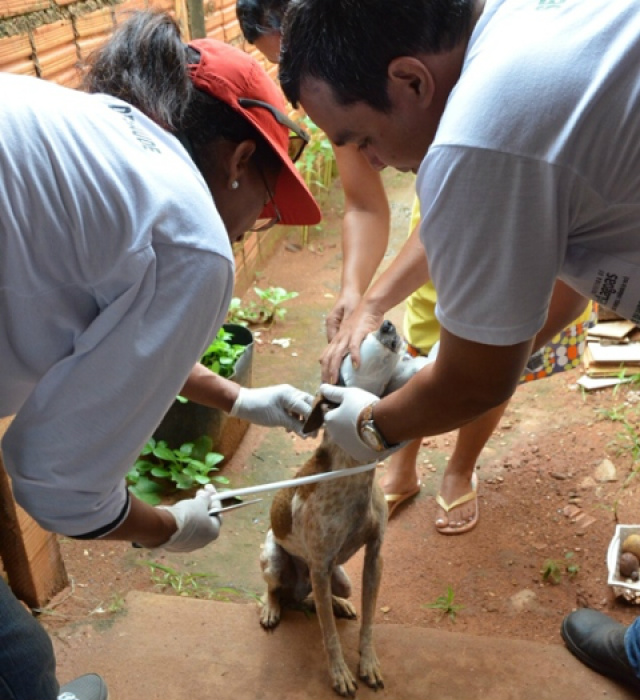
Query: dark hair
260,17
350,43
145,63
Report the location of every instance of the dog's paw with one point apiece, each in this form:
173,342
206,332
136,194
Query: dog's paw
269,615
343,681
343,608
369,670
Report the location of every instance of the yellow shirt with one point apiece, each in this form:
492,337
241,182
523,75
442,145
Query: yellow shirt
421,327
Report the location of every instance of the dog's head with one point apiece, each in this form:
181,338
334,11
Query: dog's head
382,353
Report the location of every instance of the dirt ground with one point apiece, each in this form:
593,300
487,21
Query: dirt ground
549,500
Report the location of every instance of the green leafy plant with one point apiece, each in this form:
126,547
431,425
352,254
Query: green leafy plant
267,309
189,465
316,165
221,355
318,158
572,567
629,438
444,603
553,570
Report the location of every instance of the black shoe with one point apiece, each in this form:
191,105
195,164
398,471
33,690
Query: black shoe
598,641
88,687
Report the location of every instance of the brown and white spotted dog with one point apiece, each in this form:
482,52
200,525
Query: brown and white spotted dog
315,528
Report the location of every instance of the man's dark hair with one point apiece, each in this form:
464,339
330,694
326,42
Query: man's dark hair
260,17
350,43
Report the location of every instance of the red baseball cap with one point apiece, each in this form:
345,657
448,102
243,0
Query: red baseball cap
234,77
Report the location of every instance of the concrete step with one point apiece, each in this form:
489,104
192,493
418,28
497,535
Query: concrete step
172,648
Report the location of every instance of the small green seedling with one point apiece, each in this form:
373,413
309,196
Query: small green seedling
189,465
572,567
195,585
444,603
552,570
265,311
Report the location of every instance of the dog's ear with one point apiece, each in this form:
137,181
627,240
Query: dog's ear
315,419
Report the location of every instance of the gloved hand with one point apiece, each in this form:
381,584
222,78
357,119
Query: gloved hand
196,528
341,423
281,405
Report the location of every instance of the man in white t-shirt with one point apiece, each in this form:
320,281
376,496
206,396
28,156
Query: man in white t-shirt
520,118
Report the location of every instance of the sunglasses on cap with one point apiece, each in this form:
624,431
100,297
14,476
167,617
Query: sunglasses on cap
298,137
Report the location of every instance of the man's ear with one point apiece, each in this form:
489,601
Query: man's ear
410,79
239,159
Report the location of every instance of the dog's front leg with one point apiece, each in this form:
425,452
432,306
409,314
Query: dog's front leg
343,681
369,670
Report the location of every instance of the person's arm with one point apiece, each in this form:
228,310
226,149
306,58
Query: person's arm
210,389
365,231
146,525
281,405
466,380
565,307
408,271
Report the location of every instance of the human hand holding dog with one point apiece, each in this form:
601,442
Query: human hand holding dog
341,423
348,339
281,405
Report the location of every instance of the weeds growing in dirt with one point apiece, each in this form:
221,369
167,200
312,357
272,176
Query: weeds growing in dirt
552,570
628,437
195,585
444,603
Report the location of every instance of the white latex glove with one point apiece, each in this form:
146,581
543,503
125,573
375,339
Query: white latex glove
341,423
196,528
280,405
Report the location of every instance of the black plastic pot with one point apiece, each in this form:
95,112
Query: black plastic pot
186,422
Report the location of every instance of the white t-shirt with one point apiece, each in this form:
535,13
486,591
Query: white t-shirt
115,273
534,172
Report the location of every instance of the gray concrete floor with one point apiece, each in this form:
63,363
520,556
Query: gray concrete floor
169,648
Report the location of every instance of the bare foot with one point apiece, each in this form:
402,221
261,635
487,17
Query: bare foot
459,518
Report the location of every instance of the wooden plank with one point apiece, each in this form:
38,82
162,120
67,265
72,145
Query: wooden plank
31,557
195,12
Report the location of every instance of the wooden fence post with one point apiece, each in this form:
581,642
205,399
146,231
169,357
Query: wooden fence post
30,556
195,13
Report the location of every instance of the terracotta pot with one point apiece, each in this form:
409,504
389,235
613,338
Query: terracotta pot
185,422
